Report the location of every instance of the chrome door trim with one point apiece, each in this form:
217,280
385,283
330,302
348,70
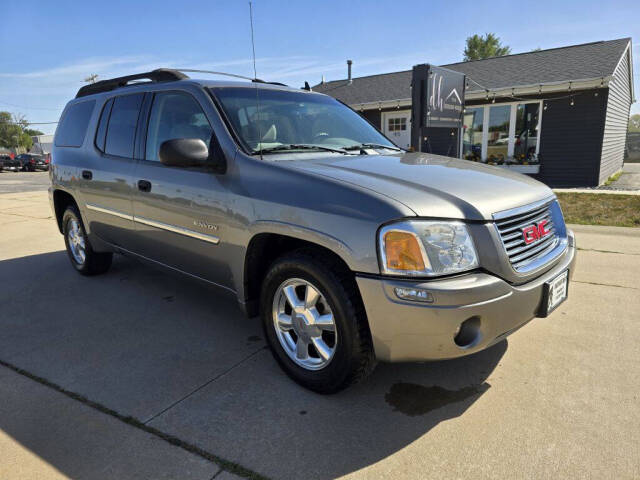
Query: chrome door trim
109,211
179,230
152,223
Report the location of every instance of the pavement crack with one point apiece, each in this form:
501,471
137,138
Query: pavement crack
606,251
208,382
217,474
606,285
22,215
224,464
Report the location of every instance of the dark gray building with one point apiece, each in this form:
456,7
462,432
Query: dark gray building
560,115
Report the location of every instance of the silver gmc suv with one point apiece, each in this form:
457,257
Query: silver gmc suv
350,249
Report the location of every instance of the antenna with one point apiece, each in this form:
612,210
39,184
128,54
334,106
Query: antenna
255,75
253,43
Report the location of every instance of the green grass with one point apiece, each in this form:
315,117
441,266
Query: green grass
613,178
600,209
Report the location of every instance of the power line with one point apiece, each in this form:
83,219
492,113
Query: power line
27,123
28,108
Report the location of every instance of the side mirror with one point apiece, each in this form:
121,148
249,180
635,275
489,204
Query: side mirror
193,152
184,152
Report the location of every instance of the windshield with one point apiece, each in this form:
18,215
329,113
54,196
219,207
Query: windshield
295,121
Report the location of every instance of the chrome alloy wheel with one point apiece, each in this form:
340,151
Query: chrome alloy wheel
76,241
304,324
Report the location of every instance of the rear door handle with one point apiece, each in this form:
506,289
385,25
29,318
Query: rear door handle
144,185
87,175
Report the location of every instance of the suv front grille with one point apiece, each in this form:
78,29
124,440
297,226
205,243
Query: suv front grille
512,232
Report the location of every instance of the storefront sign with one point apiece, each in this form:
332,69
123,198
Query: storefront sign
437,102
445,94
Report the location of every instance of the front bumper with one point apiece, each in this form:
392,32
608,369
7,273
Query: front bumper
409,331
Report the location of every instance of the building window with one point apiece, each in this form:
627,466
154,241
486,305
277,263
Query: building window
526,135
498,137
397,124
503,134
472,134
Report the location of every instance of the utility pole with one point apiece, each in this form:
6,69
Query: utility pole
91,78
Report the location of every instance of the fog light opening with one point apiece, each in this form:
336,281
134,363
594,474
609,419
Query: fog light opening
468,333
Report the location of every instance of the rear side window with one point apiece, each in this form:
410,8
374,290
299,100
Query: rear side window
73,126
121,130
101,134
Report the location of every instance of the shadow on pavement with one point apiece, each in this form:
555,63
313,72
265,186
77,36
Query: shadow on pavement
179,356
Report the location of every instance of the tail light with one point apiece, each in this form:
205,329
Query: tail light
32,161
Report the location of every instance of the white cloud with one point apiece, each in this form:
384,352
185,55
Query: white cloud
81,67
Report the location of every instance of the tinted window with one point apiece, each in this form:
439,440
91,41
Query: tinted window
101,135
121,131
175,115
73,126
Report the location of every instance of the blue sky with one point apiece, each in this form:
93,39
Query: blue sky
51,46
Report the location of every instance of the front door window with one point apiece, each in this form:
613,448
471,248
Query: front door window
175,115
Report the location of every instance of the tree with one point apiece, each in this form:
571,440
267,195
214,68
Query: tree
487,46
634,123
12,131
32,133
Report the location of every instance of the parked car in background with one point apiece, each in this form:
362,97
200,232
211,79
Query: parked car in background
30,162
11,164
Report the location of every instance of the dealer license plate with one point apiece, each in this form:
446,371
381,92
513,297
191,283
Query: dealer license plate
555,293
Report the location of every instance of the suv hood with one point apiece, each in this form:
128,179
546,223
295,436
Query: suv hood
433,185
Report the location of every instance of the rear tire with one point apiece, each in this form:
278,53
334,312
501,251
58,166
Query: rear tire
332,361
83,258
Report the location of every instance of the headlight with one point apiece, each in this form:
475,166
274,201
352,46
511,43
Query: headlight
426,248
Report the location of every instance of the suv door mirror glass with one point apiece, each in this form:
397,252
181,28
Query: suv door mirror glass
184,152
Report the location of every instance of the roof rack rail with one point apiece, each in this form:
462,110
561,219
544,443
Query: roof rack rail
224,74
155,76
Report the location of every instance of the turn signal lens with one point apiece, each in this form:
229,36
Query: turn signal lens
426,248
403,252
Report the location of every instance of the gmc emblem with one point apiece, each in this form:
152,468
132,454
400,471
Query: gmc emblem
535,232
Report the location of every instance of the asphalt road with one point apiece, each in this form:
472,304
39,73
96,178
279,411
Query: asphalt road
13,182
139,372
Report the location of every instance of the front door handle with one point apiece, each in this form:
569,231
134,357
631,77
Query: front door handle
87,175
144,185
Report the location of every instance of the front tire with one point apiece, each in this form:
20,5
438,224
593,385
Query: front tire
315,323
83,258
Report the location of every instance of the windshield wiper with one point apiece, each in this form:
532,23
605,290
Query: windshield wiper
372,145
299,146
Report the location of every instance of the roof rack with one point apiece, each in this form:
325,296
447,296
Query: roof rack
155,76
254,80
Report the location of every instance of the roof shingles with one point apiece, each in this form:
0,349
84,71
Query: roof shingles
577,62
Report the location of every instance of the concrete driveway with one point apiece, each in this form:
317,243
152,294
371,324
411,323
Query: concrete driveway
142,374
630,178
15,182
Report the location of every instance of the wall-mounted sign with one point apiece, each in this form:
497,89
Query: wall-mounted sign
437,102
445,93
